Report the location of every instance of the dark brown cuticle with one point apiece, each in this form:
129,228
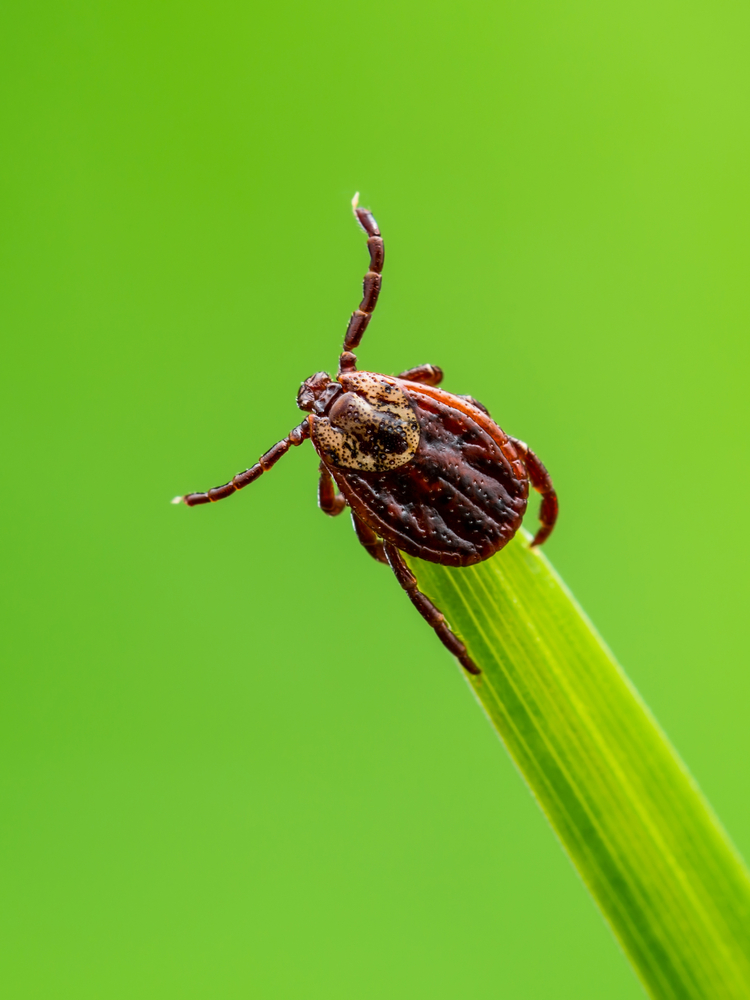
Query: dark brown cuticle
249,476
219,492
195,499
357,326
426,374
369,539
347,362
272,456
377,253
366,219
371,290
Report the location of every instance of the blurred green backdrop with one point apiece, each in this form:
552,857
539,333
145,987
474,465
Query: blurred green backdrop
219,775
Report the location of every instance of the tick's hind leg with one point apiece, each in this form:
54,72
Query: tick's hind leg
542,483
432,615
369,539
329,501
424,374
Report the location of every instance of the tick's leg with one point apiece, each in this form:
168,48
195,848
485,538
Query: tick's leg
370,288
329,501
369,539
425,374
242,479
432,615
542,483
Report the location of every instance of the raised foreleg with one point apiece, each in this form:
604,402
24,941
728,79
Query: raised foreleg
370,288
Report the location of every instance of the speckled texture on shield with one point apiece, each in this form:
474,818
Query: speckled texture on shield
371,427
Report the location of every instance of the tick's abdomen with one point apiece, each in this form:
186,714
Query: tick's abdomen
458,501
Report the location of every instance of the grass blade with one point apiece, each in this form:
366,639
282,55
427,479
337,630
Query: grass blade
636,826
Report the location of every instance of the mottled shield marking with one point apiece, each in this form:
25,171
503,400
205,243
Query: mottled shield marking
371,427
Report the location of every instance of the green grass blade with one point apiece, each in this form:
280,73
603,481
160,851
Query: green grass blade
633,821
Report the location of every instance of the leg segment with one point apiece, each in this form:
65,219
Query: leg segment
542,483
424,374
242,479
432,615
329,501
371,286
369,539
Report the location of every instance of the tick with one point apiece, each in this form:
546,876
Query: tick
422,471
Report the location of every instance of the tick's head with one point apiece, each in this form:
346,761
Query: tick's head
318,392
312,389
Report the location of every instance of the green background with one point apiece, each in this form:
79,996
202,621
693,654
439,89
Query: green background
220,774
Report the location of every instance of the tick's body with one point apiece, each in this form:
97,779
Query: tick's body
460,497
423,471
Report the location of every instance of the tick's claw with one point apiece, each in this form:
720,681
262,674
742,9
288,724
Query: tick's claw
355,200
177,500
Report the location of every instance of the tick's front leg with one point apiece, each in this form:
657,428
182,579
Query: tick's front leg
432,615
243,479
329,501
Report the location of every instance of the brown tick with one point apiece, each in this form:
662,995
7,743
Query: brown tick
423,471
